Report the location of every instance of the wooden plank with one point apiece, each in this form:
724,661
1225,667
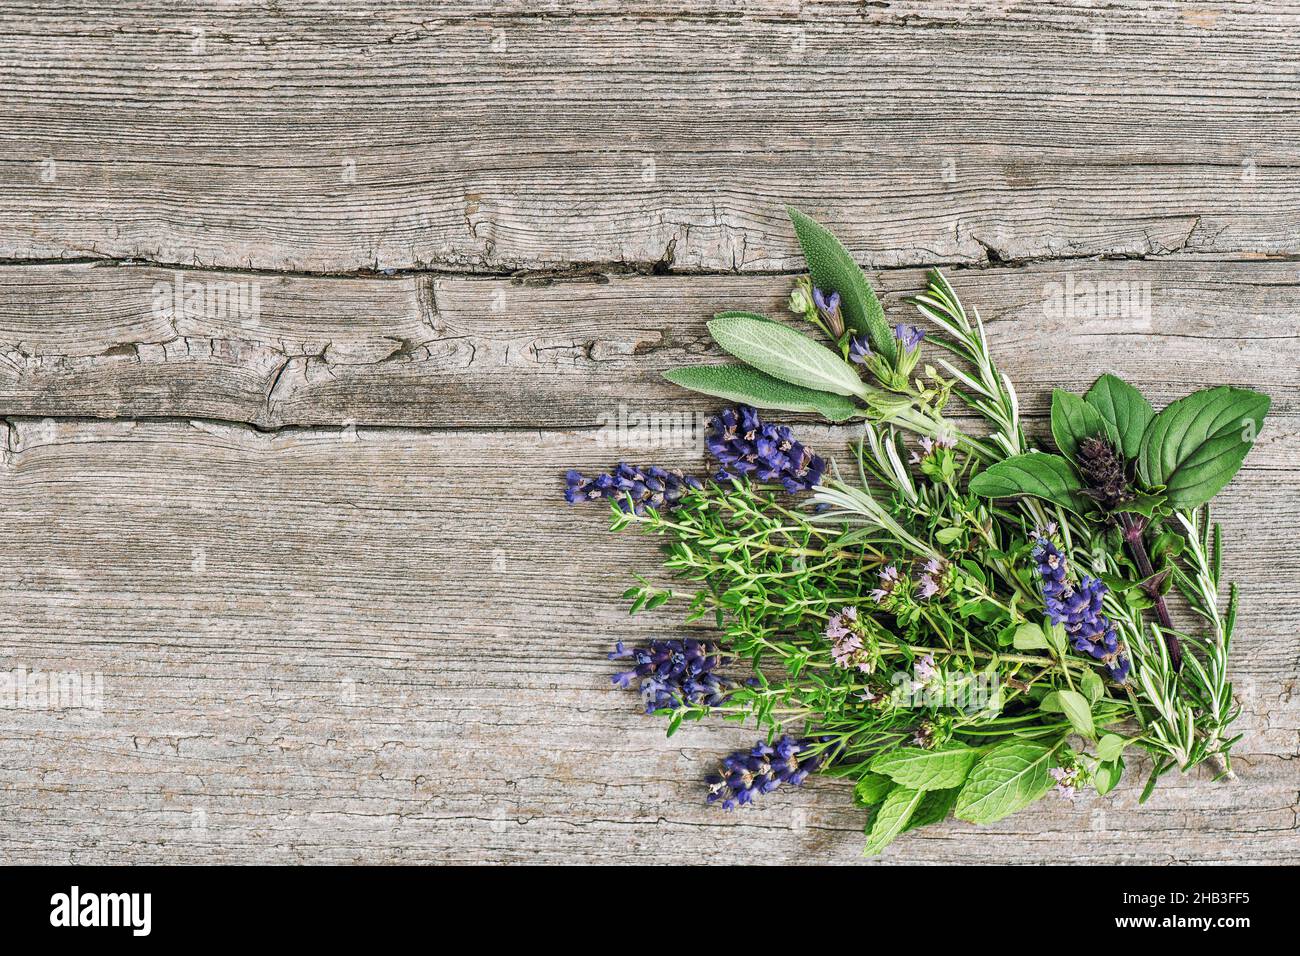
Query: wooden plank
380,645
444,351
334,137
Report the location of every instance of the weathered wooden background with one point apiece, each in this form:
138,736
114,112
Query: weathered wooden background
317,549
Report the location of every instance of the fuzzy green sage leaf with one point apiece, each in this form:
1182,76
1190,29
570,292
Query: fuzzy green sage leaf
785,354
892,818
740,383
833,270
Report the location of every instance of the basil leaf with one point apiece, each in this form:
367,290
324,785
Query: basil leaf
783,353
1037,474
918,769
871,788
833,270
740,383
1073,420
1124,408
891,818
1009,777
1078,711
1195,446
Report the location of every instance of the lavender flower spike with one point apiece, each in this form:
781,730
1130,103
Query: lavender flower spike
1078,609
746,774
651,487
672,674
747,447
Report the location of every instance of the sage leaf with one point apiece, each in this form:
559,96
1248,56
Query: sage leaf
1009,777
1125,409
918,769
783,353
1073,420
1195,446
740,383
833,270
1110,747
891,819
933,808
1034,473
1078,711
871,788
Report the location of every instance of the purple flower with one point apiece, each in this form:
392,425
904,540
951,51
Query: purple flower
909,336
826,303
672,674
925,671
931,447
859,349
829,307
651,487
746,774
1078,608
746,446
847,649
932,579
889,578
1066,780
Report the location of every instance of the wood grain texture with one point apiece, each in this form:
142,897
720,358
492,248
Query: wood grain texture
310,531
387,645
321,136
447,351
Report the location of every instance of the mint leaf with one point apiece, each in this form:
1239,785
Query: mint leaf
1073,420
740,383
1124,408
1037,474
1009,777
1195,446
871,788
833,270
783,353
891,818
918,769
934,807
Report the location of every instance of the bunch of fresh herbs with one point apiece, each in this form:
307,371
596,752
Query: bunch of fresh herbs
956,622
